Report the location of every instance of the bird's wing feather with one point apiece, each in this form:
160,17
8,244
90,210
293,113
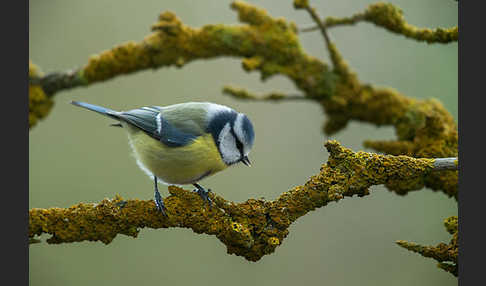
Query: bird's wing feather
143,118
151,121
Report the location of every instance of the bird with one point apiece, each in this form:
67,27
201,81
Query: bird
183,143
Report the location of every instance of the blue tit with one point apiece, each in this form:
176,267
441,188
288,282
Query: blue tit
184,143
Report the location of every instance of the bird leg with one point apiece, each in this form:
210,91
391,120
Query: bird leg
159,203
203,193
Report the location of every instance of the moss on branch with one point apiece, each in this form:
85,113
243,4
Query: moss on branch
390,17
445,254
39,103
269,45
244,94
250,229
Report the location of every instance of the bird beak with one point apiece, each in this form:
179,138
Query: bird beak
246,161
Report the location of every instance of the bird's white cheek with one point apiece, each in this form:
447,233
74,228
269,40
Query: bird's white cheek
227,146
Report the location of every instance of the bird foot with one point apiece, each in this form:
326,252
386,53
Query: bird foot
121,204
159,203
204,194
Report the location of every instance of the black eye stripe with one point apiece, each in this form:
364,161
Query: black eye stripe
239,145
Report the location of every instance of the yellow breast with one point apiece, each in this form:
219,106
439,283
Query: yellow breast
176,165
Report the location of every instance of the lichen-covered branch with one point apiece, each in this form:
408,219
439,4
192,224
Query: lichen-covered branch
445,254
39,103
250,229
267,44
242,93
390,17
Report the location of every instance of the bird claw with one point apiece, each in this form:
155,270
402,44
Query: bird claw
204,194
121,204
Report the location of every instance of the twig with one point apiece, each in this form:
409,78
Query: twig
446,164
241,93
445,254
53,82
320,25
340,67
330,22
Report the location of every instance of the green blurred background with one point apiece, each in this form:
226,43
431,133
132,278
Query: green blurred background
75,157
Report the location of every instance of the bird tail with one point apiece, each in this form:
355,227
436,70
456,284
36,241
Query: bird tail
99,109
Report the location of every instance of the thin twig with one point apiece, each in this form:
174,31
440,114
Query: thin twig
340,67
441,164
319,23
243,94
330,22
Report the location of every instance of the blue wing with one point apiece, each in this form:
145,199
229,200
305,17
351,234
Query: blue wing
149,120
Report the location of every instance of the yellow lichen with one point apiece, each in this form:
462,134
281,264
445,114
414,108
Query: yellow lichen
242,93
253,63
451,224
39,103
390,17
273,241
300,4
269,45
445,254
250,229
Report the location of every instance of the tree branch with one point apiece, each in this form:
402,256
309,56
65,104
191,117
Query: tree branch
446,164
390,17
445,254
299,4
340,67
250,229
244,94
40,104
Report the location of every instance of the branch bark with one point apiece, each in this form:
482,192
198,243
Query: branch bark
251,229
445,254
441,164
